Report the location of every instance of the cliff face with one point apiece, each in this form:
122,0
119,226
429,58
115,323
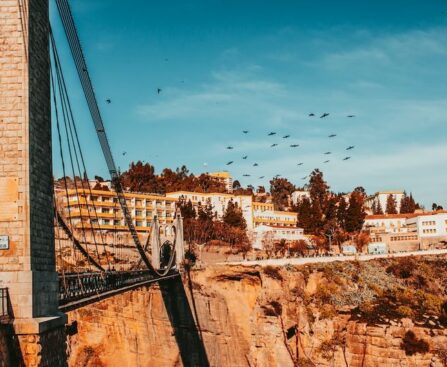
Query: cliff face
266,317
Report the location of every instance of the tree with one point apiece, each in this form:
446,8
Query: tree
319,196
233,216
355,214
362,240
305,219
236,185
391,205
341,212
407,204
261,190
379,209
436,207
186,208
141,177
281,189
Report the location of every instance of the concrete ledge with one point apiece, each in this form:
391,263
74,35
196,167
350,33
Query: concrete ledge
38,325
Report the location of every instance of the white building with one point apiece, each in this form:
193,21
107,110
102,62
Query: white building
225,178
298,195
264,235
382,197
429,225
387,223
219,202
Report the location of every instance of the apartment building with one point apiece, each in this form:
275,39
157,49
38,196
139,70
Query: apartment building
100,209
225,178
264,233
265,214
408,232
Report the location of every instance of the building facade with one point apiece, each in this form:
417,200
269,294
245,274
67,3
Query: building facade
225,178
382,197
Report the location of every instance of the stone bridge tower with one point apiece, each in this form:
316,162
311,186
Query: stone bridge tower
27,259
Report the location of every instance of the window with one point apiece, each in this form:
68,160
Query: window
116,223
94,221
105,210
139,223
138,202
106,221
138,213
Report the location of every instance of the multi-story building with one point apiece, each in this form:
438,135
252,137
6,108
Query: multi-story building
218,201
431,228
265,214
225,178
408,232
264,233
387,223
100,209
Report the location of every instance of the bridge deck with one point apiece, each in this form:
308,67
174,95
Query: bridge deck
77,290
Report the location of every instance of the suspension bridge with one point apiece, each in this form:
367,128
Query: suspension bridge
90,264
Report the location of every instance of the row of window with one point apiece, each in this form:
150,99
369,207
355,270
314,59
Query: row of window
404,238
429,230
429,223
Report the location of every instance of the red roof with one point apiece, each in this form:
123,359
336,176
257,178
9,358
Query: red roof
403,216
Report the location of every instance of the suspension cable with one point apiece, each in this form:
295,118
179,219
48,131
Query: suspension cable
77,148
81,67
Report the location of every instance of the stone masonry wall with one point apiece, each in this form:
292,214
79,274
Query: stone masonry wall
28,267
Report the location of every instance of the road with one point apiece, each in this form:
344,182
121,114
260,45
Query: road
328,259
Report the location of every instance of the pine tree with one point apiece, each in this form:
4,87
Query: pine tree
412,204
341,212
355,215
374,207
391,205
405,204
233,216
379,208
305,220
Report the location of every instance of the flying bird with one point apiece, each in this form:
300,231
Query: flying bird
324,115
332,136
351,116
346,158
255,165
245,157
294,145
272,133
246,175
108,101
230,162
327,153
277,176
300,164
230,147
286,136
261,177
326,161
311,114
159,90
273,145
350,147
303,178
245,131
124,153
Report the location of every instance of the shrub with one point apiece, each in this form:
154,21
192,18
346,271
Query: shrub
413,345
273,272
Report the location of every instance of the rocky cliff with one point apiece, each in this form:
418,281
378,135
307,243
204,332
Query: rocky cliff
380,313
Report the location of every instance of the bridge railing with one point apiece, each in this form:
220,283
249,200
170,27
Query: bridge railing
77,286
5,314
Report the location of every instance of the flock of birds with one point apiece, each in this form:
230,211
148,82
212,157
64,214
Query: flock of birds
273,145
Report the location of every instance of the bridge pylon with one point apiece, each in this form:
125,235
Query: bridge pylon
27,256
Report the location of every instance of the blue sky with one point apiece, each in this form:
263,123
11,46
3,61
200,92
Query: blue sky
233,65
